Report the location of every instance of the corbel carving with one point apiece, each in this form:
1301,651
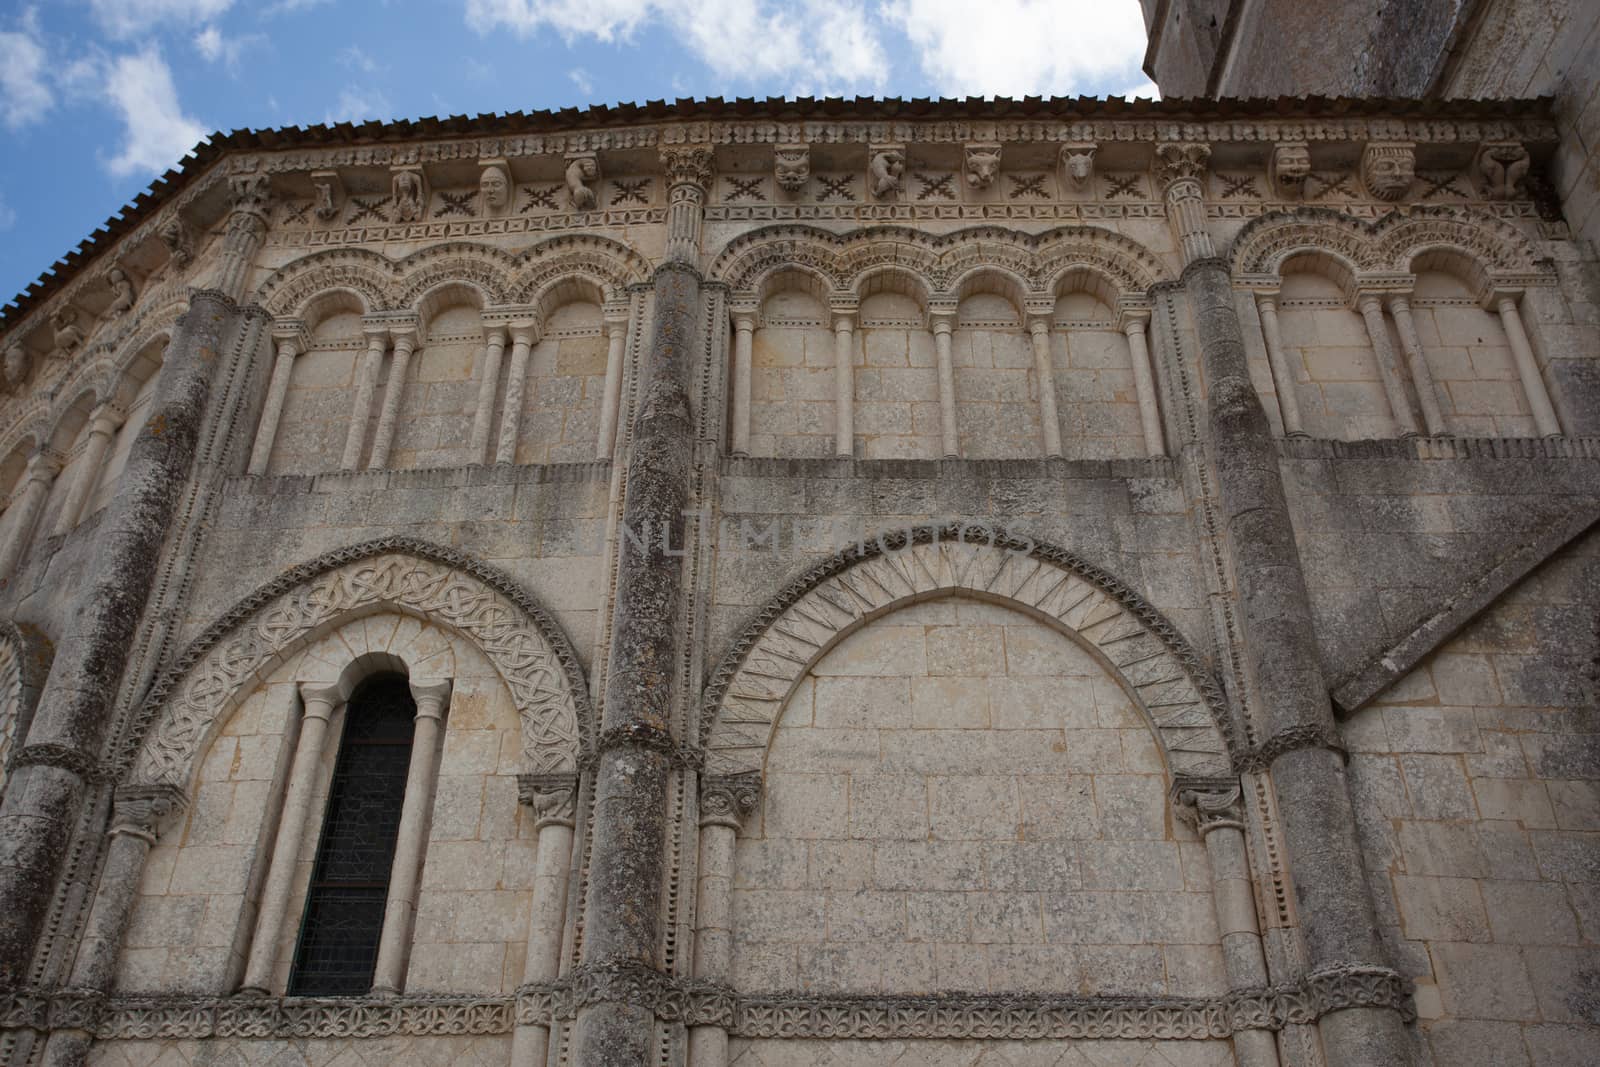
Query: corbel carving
1180,162
15,366
729,799
982,165
1388,168
1288,169
687,165
1501,167
1209,805
1077,164
553,797
64,324
140,810
122,294
329,198
583,171
791,166
886,169
409,189
174,233
494,187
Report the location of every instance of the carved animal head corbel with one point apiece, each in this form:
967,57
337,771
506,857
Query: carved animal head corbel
982,165
791,166
1077,164
1502,168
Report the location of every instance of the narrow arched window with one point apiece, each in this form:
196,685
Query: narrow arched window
343,922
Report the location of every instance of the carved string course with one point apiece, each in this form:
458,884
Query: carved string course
528,649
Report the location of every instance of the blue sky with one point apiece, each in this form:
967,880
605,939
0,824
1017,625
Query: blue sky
97,97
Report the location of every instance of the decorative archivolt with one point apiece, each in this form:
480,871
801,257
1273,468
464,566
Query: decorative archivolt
528,650
866,582
25,655
1037,261
499,277
1387,246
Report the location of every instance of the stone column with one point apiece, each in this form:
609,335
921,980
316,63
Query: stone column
361,404
1417,364
1216,811
744,328
317,705
46,783
493,347
1045,372
552,798
844,382
37,477
290,338
135,824
622,920
1144,384
405,341
1301,741
249,197
725,802
1283,377
949,439
524,336
1544,415
1388,367
103,424
611,403
411,842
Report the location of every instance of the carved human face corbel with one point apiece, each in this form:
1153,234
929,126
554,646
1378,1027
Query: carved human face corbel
1289,168
1388,168
494,188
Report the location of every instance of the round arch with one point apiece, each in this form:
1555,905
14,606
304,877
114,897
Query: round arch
607,264
367,275
838,596
1262,246
1492,242
488,270
189,702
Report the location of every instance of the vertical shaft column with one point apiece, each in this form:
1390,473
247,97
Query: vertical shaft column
616,317
44,791
949,439
103,424
725,802
249,197
744,328
552,798
1216,811
135,824
290,338
1417,364
493,347
523,338
844,383
1044,372
1144,383
405,342
1283,377
1301,741
1388,368
411,843
37,477
622,920
318,705
361,404
1544,415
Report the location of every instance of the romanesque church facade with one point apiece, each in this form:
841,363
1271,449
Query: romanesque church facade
1069,582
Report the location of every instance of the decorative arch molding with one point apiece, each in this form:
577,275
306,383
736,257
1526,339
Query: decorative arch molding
865,582
610,264
27,429
292,287
1038,260
488,270
25,657
1385,246
527,648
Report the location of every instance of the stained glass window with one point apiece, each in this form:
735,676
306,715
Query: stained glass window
343,921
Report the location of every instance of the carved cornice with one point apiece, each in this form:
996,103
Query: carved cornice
938,1016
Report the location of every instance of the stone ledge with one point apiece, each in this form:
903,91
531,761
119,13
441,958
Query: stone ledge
1441,448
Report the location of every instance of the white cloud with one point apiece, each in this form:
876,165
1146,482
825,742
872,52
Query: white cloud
209,43
158,133
354,58
827,42
1023,47
131,18
358,105
24,95
581,80
8,216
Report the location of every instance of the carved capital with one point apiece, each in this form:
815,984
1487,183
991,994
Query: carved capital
687,165
1388,168
982,164
1207,804
729,799
1178,162
140,810
1288,168
1501,168
249,194
791,166
553,797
